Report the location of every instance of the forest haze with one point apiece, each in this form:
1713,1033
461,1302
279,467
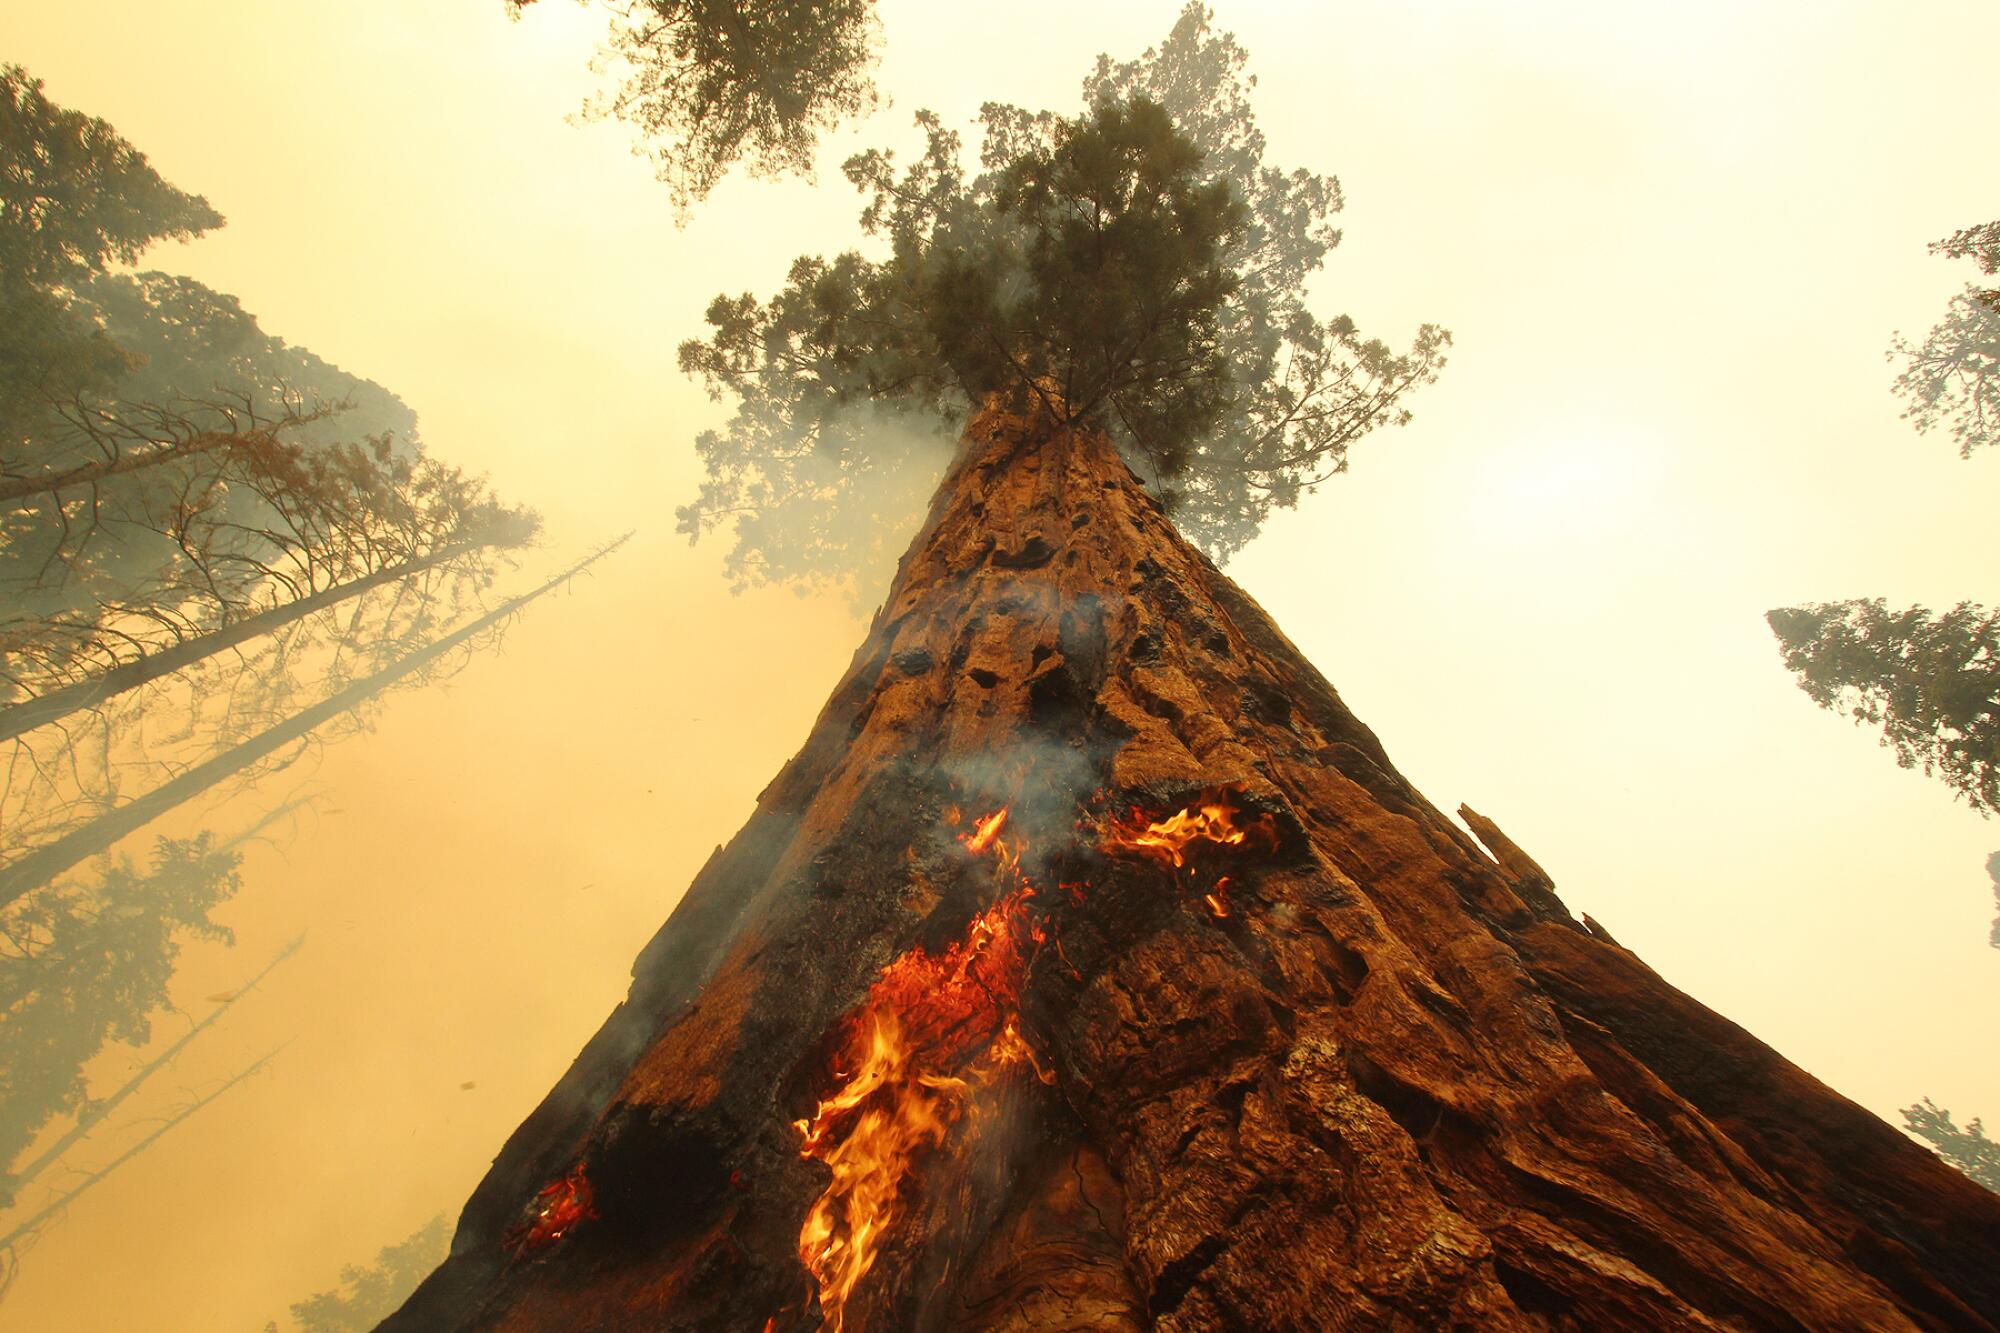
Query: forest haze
1672,260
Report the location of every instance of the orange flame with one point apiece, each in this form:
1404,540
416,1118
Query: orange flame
984,831
931,1030
559,1209
1213,817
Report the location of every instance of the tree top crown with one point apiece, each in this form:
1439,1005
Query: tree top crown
1139,255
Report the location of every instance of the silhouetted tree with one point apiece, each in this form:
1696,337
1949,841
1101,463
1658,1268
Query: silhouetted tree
26,1231
1967,1149
336,522
368,1293
1993,873
708,83
196,507
1953,376
86,964
1137,266
95,1110
1931,682
74,197
40,865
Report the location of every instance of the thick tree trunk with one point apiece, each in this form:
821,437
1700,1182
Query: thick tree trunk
1351,1073
44,863
59,703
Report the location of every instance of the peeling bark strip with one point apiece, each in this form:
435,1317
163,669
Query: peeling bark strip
1345,1071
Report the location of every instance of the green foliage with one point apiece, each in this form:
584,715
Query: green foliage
194,345
1953,377
74,196
1931,682
1981,244
1967,1149
82,965
369,1294
213,469
708,83
1136,267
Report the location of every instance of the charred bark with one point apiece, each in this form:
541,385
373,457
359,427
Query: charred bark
1353,1072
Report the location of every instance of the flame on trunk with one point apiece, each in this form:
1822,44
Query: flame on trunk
1214,817
560,1207
931,1031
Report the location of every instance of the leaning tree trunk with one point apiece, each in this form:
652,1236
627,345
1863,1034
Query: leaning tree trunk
35,868
157,663
1224,1026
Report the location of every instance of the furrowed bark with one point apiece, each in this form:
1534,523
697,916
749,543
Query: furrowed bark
1385,1081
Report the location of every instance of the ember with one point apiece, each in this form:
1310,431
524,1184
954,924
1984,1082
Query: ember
559,1209
1211,818
930,1032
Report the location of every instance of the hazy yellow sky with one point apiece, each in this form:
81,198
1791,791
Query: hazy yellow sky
1672,242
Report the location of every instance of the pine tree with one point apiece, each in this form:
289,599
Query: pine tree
709,83
1931,682
1967,1149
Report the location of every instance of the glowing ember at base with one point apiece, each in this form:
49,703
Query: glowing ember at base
559,1209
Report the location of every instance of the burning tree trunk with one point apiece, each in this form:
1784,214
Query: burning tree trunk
1092,967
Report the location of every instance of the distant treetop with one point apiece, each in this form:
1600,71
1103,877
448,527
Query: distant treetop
1931,682
1952,378
708,83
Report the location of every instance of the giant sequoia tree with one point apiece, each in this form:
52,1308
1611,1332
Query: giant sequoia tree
1092,966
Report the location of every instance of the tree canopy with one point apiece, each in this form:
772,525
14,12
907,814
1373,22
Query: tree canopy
1137,267
74,196
1930,681
1952,378
1968,1149
709,83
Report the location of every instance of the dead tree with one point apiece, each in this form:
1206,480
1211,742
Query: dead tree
1092,966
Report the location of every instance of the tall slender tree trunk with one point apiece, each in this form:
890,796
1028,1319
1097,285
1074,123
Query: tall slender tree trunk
46,862
26,1229
57,704
1258,1038
97,1111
